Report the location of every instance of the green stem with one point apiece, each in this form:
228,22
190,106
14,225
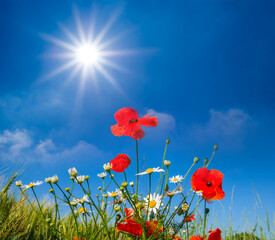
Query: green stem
125,176
204,220
211,157
149,195
162,164
137,167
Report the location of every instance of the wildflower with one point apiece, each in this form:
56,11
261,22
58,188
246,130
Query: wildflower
76,238
175,179
151,170
102,175
130,224
152,228
124,184
80,179
189,218
52,180
18,183
84,210
117,208
87,177
117,193
32,184
107,167
215,235
129,124
209,182
83,200
154,203
73,172
167,163
131,184
120,163
185,207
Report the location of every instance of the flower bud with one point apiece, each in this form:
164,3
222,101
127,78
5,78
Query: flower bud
124,184
48,220
196,159
18,183
206,210
72,178
118,217
67,189
97,195
216,146
185,207
86,177
112,175
167,141
99,188
51,190
131,184
176,208
48,180
73,172
121,188
205,161
51,224
117,208
167,163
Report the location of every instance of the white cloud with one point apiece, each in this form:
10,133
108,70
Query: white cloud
224,127
165,120
19,147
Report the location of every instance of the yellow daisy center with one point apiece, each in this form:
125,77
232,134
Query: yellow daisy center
152,204
31,185
114,194
82,210
149,170
175,179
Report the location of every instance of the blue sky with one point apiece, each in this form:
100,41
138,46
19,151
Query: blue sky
204,68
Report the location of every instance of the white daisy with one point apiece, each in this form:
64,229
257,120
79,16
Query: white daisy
107,167
18,183
80,179
102,175
150,171
73,172
131,184
117,193
83,200
53,179
32,184
172,193
83,210
175,179
154,203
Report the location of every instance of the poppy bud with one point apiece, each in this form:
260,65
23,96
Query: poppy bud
118,217
124,184
206,210
86,177
67,189
196,159
167,141
205,161
216,146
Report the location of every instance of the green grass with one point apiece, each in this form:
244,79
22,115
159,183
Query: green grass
18,220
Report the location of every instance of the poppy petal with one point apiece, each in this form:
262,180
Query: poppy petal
148,121
198,179
215,235
124,115
118,129
137,133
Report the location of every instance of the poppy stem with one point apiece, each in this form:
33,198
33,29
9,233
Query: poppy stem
137,167
204,220
211,157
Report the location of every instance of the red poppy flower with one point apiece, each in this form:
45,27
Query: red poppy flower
120,163
215,235
129,124
130,225
209,182
189,218
152,228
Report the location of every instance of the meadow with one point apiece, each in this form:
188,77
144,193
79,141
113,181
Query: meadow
167,212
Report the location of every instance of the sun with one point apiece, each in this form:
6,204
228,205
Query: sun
87,54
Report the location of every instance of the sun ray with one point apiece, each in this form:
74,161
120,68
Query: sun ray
59,42
69,35
80,29
113,65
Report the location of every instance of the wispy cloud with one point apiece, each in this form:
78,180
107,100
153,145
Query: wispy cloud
224,127
18,146
166,123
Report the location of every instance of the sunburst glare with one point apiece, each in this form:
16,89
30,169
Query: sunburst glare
87,54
